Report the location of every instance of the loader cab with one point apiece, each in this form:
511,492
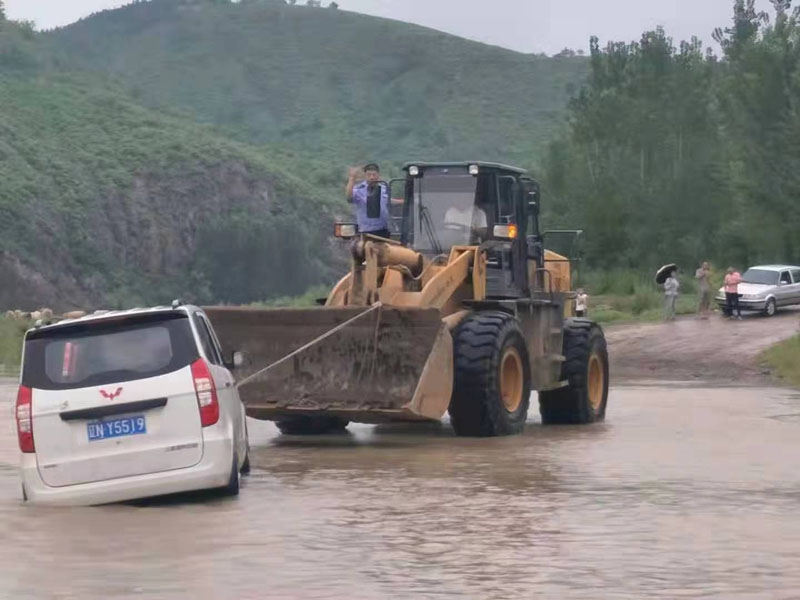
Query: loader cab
475,203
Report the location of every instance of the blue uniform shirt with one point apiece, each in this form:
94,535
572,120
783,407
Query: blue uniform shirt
365,223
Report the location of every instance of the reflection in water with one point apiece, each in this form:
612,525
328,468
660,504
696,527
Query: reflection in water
686,492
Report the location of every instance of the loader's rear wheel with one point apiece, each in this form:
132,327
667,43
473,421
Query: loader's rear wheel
300,425
491,392
586,371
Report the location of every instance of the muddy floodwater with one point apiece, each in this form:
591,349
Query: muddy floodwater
685,492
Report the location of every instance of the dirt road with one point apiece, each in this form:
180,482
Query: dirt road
716,349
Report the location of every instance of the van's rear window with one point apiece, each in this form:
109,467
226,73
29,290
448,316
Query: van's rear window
108,351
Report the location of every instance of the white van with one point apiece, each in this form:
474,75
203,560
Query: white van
128,404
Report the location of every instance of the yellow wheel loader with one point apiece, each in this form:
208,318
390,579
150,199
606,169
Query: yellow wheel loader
464,311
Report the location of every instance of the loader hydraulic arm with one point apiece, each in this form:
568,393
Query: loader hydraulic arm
399,276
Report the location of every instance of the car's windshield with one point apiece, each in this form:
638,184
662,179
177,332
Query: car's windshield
760,276
448,210
102,352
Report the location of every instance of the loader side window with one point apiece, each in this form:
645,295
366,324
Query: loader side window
505,205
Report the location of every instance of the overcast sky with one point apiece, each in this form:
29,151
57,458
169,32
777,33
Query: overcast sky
524,25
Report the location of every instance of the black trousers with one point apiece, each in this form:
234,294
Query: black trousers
732,303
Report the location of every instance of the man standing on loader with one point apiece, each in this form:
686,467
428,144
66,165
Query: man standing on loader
371,201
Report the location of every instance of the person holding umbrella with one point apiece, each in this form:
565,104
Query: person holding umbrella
667,276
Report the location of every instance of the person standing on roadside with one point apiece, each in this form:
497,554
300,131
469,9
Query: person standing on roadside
581,303
671,286
732,281
370,199
704,289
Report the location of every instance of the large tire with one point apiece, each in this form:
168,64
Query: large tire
491,392
585,369
300,425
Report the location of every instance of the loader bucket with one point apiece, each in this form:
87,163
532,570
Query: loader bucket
383,364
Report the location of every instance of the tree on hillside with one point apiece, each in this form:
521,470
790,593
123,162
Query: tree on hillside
639,168
2,11
759,99
674,155
746,23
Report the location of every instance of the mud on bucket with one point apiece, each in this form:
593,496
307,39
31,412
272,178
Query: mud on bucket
382,364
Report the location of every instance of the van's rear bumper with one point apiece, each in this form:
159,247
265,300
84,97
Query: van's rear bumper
212,471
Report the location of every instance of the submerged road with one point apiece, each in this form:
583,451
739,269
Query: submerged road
684,492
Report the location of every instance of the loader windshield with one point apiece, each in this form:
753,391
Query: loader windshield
447,212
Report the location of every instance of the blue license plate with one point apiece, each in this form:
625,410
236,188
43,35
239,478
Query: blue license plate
103,430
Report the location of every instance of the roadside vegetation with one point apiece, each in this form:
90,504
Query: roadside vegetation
11,333
305,300
623,295
784,360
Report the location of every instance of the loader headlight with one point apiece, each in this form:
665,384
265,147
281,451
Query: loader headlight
474,169
413,170
345,231
507,232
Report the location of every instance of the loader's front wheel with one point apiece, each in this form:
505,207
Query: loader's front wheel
491,392
584,398
301,425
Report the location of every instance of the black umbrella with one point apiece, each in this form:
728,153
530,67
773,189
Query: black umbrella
663,272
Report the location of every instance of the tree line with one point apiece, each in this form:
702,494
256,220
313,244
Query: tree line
674,154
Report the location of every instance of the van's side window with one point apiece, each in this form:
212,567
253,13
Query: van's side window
209,348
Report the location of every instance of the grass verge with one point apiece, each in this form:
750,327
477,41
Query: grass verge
640,307
11,334
784,360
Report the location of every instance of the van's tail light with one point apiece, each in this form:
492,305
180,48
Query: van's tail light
206,393
25,419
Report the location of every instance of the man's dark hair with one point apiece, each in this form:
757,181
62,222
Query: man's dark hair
372,167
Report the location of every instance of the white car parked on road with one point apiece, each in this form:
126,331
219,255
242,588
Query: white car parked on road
128,404
765,288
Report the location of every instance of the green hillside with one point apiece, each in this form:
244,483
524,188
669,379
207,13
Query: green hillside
197,148
106,203
335,83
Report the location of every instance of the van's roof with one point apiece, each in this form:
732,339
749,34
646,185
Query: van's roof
101,315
